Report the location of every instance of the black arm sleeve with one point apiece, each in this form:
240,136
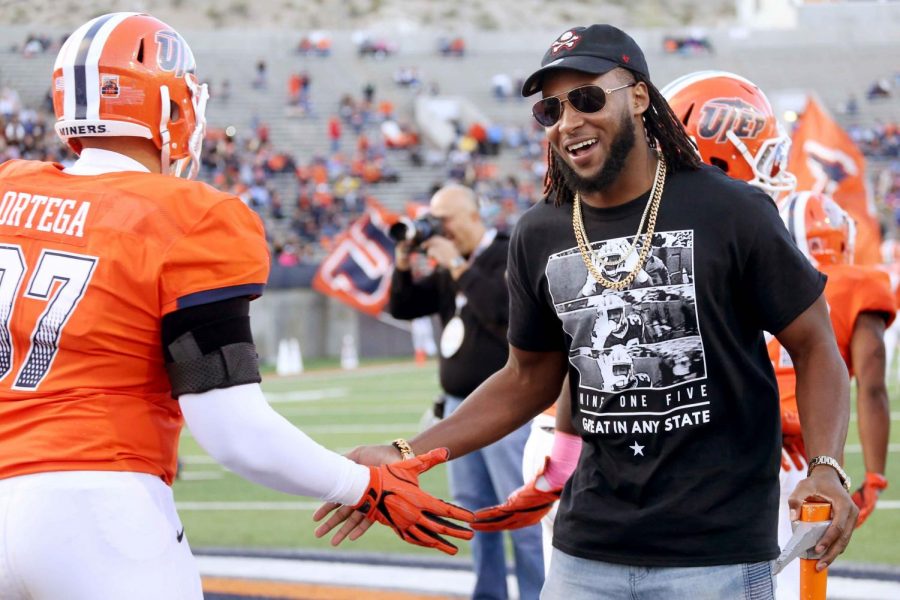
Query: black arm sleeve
210,346
213,325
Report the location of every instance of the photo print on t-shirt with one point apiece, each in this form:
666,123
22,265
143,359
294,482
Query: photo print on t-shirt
645,338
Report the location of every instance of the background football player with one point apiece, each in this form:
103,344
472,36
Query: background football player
733,125
125,302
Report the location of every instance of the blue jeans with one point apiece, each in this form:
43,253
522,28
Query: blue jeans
572,578
484,478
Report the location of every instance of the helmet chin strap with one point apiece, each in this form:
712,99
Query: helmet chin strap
199,98
784,181
165,116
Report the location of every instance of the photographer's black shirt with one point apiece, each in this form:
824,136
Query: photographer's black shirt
485,314
680,416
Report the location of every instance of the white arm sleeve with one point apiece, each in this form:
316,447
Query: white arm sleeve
239,429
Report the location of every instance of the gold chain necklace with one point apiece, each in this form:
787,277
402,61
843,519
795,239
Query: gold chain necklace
652,208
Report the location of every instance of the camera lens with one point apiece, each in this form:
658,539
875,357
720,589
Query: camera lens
403,230
406,230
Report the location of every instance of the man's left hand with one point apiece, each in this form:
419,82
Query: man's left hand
823,485
441,250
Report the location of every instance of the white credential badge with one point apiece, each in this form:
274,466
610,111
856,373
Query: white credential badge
452,337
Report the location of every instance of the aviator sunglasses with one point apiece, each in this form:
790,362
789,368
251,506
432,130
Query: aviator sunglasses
585,99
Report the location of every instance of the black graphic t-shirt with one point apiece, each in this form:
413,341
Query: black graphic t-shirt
672,389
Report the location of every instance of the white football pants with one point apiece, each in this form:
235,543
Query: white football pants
788,581
537,448
93,535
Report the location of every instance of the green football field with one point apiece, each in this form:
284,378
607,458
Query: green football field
378,403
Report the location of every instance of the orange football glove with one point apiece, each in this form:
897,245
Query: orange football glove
793,447
395,499
525,506
867,495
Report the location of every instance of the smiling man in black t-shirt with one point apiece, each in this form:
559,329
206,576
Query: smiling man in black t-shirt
676,491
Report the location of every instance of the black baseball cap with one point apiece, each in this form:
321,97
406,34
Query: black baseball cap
595,49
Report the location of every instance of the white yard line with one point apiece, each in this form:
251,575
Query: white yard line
197,459
857,449
895,416
377,428
297,505
200,475
242,506
358,410
306,395
442,580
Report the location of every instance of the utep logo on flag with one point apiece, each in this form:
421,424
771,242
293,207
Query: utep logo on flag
358,270
825,160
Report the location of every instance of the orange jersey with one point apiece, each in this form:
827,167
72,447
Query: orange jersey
850,291
89,266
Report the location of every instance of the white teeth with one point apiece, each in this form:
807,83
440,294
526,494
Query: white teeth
583,144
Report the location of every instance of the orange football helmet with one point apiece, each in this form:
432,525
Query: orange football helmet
823,231
733,125
129,74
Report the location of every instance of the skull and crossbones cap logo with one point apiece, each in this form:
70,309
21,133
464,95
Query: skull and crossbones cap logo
595,49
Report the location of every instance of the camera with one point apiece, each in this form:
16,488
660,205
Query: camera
407,230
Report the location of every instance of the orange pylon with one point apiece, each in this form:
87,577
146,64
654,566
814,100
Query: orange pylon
813,584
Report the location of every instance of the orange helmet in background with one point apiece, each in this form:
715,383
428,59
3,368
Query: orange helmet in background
823,231
129,74
732,123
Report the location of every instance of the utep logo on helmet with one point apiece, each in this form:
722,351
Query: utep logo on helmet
721,115
173,53
566,41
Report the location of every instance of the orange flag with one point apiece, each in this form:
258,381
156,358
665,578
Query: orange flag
825,160
358,269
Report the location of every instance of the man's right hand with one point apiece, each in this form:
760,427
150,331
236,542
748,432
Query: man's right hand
395,499
401,255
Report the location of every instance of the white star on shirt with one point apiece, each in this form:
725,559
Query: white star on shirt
638,449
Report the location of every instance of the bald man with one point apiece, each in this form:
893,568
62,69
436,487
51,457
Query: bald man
468,291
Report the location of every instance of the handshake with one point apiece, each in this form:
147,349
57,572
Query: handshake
395,499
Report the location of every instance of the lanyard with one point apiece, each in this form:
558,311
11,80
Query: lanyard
486,240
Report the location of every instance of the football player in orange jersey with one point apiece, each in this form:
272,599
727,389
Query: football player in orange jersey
863,306
124,313
732,123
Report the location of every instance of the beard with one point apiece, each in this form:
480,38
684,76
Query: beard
612,167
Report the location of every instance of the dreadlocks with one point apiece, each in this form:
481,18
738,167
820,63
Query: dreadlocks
661,125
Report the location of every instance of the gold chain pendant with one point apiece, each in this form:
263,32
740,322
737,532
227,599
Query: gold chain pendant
584,245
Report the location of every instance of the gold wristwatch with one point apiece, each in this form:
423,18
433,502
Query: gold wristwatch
403,446
834,464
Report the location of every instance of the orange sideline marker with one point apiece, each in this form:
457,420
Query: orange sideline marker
813,585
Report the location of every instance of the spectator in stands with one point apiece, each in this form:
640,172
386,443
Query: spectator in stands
369,92
334,132
879,90
260,80
9,102
502,86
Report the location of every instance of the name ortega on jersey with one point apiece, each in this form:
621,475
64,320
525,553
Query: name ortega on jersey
50,214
